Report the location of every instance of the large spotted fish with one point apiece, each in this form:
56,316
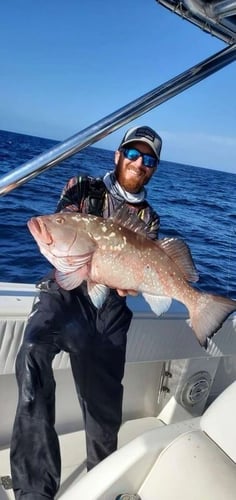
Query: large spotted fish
111,253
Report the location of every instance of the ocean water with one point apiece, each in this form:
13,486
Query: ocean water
195,204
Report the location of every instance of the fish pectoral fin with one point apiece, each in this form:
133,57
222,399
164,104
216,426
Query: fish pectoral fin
158,304
69,281
98,293
180,253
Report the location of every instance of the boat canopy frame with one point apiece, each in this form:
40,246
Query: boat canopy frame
217,17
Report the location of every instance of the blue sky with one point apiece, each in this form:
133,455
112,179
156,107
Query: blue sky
67,64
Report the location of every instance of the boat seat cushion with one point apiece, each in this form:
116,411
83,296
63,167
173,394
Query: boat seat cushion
191,467
218,421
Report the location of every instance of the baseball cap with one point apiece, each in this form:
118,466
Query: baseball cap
143,134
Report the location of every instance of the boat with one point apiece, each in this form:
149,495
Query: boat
177,439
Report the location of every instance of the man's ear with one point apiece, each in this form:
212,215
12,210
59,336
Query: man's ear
117,157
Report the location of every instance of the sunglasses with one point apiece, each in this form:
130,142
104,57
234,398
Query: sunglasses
133,154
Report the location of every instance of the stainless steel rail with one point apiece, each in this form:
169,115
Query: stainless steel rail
216,17
117,119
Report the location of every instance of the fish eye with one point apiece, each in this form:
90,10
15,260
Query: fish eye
60,220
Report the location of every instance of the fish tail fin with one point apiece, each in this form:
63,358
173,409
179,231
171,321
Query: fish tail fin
208,315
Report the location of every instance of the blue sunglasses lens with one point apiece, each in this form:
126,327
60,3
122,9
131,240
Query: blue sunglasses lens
149,161
133,154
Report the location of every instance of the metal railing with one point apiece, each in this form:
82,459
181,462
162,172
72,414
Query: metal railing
116,120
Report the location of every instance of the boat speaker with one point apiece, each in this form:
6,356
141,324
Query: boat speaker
195,390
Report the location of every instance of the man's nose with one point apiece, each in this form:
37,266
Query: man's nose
139,161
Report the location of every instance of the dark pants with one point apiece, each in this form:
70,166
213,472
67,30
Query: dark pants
96,342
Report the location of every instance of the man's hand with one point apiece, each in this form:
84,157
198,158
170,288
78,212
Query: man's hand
123,293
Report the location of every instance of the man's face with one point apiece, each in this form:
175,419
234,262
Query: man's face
133,175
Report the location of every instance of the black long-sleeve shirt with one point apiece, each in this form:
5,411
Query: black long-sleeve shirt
75,197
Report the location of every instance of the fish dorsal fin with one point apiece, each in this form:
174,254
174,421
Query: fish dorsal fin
180,253
129,218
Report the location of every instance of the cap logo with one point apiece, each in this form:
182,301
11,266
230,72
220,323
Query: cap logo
145,132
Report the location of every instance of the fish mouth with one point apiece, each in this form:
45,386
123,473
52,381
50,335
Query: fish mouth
39,231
